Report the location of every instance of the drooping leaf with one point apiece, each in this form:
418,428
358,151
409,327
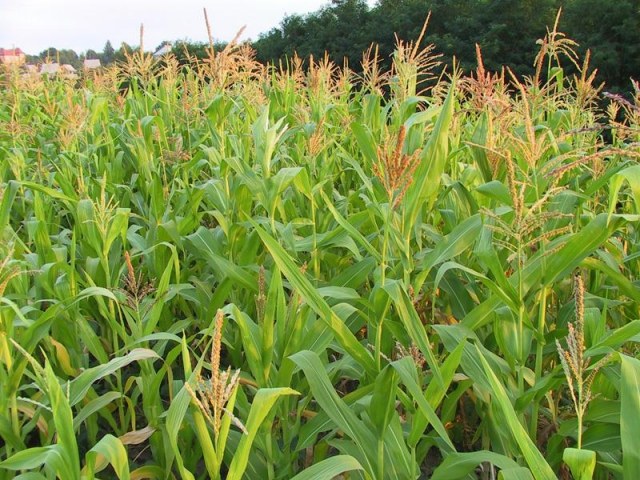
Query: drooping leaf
459,465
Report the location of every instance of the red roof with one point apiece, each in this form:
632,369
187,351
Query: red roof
10,52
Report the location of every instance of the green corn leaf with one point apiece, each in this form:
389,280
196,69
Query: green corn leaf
281,180
632,176
274,312
109,450
578,246
519,473
30,458
251,341
496,190
582,463
8,197
322,423
350,229
51,192
538,465
95,406
79,386
435,393
546,269
618,279
151,472
175,418
619,336
383,400
343,335
630,415
407,371
355,275
202,241
117,228
63,420
9,436
397,456
422,193
411,321
460,239
260,408
366,142
30,476
335,408
457,466
329,468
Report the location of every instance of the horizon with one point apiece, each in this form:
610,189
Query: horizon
36,25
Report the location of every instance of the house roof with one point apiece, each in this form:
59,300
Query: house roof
92,63
10,52
166,48
49,68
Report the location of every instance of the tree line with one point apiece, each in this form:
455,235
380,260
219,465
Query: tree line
506,30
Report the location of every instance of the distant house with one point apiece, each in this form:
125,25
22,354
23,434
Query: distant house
163,50
11,56
49,68
55,68
92,63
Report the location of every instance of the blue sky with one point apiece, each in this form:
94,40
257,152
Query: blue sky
34,25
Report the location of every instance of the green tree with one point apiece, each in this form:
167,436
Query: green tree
506,30
611,30
91,54
339,29
108,53
62,56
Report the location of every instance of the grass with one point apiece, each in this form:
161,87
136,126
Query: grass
231,271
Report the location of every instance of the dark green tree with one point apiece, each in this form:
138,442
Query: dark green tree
108,53
62,56
611,30
506,30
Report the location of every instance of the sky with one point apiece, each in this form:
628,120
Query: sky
35,25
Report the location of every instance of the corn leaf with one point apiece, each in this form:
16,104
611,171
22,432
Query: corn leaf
343,335
262,404
459,465
342,416
329,468
109,450
538,465
630,415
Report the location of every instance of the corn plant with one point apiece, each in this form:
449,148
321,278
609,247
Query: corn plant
227,270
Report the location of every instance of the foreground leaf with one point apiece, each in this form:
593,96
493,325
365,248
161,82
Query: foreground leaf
630,415
459,465
329,468
342,416
260,408
581,462
538,465
343,335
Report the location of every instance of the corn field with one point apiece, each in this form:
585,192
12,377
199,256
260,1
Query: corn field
227,270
